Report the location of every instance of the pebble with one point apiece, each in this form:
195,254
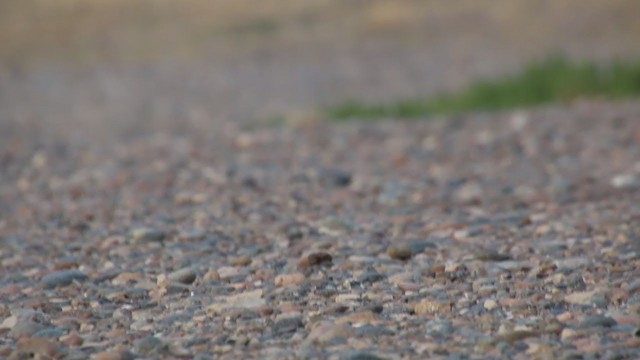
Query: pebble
150,346
490,304
488,255
400,253
294,279
327,331
62,278
597,320
313,259
145,234
334,177
581,297
439,327
287,325
184,276
428,306
36,347
361,355
247,300
113,355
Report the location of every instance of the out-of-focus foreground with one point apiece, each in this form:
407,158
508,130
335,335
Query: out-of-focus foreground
80,68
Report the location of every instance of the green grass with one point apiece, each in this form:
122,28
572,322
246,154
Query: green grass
554,80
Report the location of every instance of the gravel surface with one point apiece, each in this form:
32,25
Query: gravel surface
484,236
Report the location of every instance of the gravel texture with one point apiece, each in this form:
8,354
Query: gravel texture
484,236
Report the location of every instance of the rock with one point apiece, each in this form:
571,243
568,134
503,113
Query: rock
400,252
247,300
625,181
183,276
313,259
113,355
150,346
294,279
361,355
62,278
38,348
229,272
490,255
73,339
145,234
490,304
581,298
327,331
439,328
428,306
568,333
334,177
26,328
287,324
597,321
240,261
514,335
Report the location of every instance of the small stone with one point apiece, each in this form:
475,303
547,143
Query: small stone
73,339
428,306
229,272
334,177
247,300
62,278
598,321
240,261
580,298
625,181
400,253
294,279
489,255
38,348
318,258
439,328
490,304
145,234
149,346
183,276
568,333
113,355
25,328
327,331
287,324
515,335
361,355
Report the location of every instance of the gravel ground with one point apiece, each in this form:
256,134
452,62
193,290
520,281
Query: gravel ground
484,236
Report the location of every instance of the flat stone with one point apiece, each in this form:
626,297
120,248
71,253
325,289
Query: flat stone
63,278
146,234
38,348
400,252
315,258
581,298
184,276
287,325
327,331
247,300
598,321
150,346
294,279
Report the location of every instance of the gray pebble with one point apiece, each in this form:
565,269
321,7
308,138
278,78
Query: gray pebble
184,276
598,320
63,278
150,345
145,234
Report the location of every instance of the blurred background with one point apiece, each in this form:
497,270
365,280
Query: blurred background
94,69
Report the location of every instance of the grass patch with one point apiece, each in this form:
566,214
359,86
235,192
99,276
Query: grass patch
554,80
